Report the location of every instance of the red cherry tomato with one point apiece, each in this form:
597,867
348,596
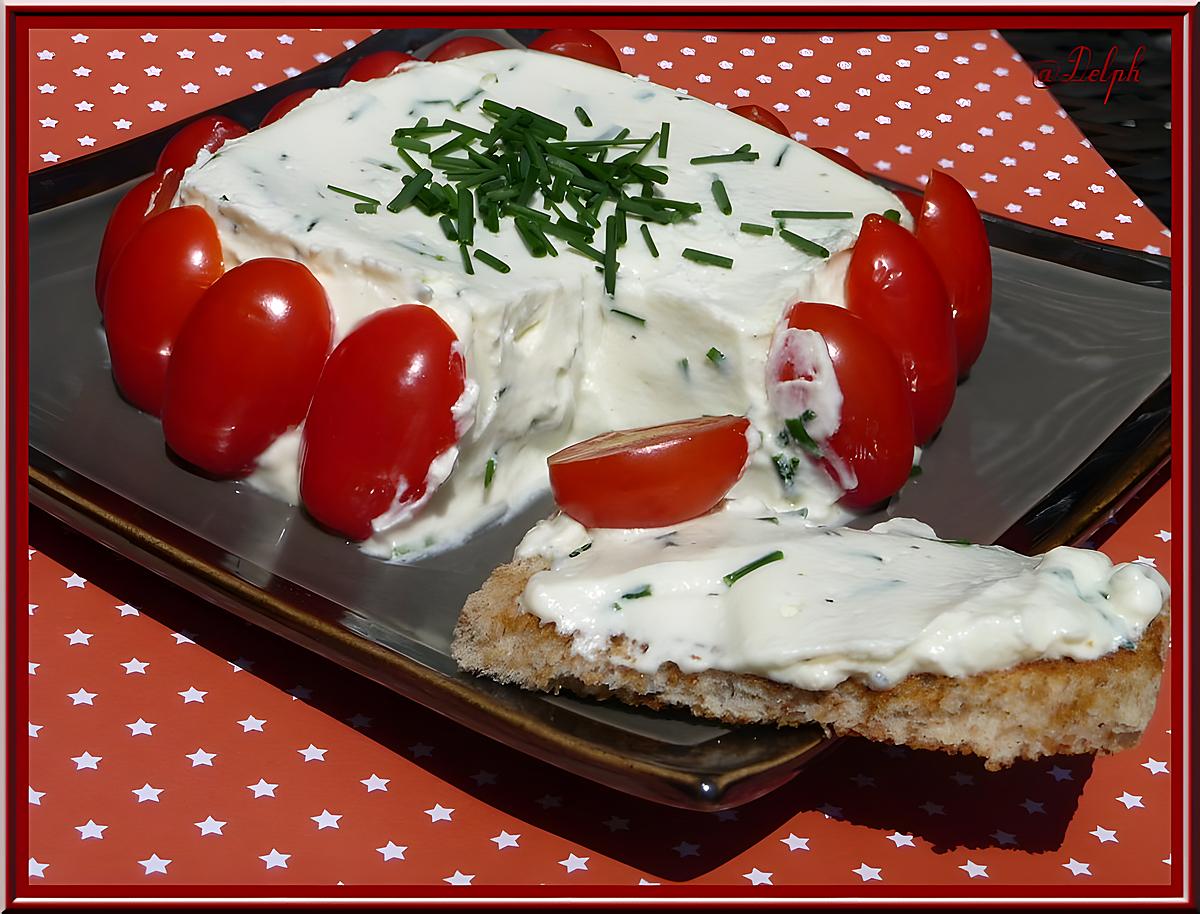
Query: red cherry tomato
844,160
893,284
951,230
580,44
874,438
373,66
650,477
153,286
463,47
762,116
381,414
245,364
284,105
912,202
206,133
146,199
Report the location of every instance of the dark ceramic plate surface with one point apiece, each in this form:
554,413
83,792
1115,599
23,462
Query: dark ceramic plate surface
1065,414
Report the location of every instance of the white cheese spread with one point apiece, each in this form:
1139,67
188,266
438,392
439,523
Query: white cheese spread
553,361
771,594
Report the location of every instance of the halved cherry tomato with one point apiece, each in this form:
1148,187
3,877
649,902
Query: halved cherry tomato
912,202
894,285
762,116
580,44
463,47
650,477
951,230
245,364
145,199
155,282
206,133
373,66
286,104
844,160
874,438
381,415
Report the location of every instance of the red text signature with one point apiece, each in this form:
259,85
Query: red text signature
1079,68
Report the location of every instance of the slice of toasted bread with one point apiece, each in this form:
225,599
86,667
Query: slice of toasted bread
1036,709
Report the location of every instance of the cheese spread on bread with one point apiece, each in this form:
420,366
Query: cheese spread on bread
766,593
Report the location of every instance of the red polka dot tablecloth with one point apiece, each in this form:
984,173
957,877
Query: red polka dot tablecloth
172,745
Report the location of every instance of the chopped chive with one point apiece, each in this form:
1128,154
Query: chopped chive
664,136
586,249
412,187
769,520
490,217
713,260
489,472
404,142
649,240
811,214
739,156
466,216
893,214
610,255
468,267
956,542
408,160
808,247
494,262
734,576
722,197
622,227
448,229
632,317
800,435
643,591
683,363
715,355
583,117
649,173
785,469
754,228
368,208
352,194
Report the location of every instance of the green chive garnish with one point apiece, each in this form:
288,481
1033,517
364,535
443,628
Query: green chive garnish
466,216
368,208
800,435
754,228
956,542
494,262
722,197
583,117
447,225
770,520
664,135
610,255
468,267
412,187
649,240
742,155
734,576
714,260
489,471
632,317
352,194
683,363
637,594
715,355
808,247
811,214
893,214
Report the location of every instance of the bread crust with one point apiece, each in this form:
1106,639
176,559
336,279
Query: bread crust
1046,707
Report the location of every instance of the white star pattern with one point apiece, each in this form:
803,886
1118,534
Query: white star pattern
33,668
312,753
48,122
186,54
216,37
795,844
45,55
119,89
82,697
1129,801
48,157
155,864
504,839
74,580
90,829
262,789
149,38
34,728
135,666
82,71
284,39
252,723
1145,560
87,760
47,88
974,870
1164,535
392,851
375,782
275,860
141,728
867,873
459,878
439,813
1104,835
200,757
573,863
211,826
122,124
37,870
192,695
87,141
126,610
147,794
35,797
153,71
223,70
1154,766
326,820
156,106
254,54
1077,868
190,88
901,840
758,877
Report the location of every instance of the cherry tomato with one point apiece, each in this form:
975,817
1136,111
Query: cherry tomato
951,230
893,284
153,286
762,116
245,364
373,66
463,47
381,414
206,133
286,104
874,438
146,199
912,202
580,44
650,477
844,160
